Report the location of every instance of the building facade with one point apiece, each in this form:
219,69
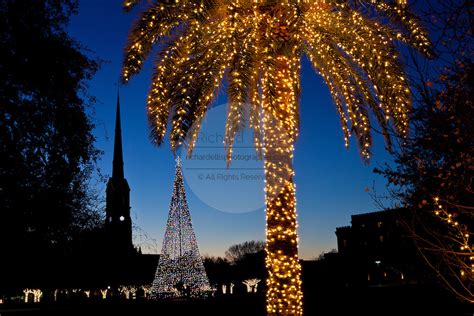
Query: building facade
377,249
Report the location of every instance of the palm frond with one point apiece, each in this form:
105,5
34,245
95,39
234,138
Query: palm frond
376,76
154,24
406,26
159,103
335,93
240,78
209,57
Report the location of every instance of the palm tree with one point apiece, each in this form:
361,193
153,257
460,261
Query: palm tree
256,46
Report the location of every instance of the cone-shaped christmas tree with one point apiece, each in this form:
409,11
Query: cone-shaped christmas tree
180,270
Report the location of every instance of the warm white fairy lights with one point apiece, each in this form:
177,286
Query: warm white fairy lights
459,234
256,46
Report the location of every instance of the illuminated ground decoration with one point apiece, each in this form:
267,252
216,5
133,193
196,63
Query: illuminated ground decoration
257,47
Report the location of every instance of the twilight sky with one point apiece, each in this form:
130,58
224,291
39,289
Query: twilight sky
330,180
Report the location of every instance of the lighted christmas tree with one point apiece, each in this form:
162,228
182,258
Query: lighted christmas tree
180,270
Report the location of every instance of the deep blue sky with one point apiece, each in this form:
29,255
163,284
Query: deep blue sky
330,180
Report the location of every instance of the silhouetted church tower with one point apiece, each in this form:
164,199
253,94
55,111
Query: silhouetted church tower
118,223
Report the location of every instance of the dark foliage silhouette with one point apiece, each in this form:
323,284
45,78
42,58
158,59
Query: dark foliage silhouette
47,148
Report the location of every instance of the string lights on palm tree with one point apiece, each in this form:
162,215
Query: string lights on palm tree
256,46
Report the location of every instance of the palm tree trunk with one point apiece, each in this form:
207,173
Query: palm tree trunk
284,295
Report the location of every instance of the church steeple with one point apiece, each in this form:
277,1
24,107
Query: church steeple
118,221
117,171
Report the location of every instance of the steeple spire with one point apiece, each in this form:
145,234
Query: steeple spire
117,171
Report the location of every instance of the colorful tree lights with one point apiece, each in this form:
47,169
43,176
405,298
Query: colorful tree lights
180,270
